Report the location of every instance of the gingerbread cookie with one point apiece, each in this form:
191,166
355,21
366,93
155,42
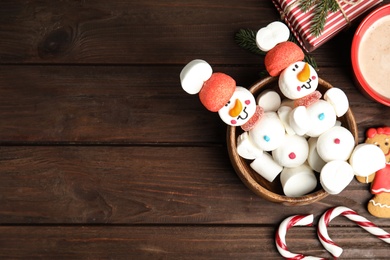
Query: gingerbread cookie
379,205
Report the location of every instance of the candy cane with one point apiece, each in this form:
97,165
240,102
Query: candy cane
280,237
330,214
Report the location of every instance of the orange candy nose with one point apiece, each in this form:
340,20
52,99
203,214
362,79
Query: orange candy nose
236,110
304,74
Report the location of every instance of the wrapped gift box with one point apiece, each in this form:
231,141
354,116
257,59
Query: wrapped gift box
300,22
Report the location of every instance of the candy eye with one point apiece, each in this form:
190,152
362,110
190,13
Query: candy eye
321,116
266,138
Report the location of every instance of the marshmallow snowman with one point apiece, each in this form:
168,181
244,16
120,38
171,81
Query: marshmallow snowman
298,81
218,93
330,145
312,116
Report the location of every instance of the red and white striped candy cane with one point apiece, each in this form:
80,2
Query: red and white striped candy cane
280,237
330,214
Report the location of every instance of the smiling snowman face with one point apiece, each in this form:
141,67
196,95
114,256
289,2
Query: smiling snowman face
239,109
298,80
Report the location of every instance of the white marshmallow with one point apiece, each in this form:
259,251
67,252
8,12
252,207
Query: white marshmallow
248,107
266,167
274,33
246,149
194,74
299,120
335,176
335,144
292,87
293,152
284,113
367,159
313,159
337,98
321,116
269,100
298,181
268,133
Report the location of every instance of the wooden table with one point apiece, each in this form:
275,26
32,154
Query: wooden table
103,155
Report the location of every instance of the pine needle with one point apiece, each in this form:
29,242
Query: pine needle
246,38
321,9
305,5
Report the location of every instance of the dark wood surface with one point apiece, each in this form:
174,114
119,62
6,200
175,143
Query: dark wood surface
103,155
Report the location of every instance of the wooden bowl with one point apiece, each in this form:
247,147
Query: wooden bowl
272,191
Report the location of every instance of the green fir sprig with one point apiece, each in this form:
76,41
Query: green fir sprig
246,38
321,9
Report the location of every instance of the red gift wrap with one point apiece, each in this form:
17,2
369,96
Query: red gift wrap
299,22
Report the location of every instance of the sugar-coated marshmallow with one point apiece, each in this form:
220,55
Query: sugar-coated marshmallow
281,56
298,181
268,134
293,152
217,91
266,167
336,143
274,33
366,159
335,176
194,74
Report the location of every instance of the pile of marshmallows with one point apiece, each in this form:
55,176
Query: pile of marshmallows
294,136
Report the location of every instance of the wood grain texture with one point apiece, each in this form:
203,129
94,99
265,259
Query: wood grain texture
127,185
134,32
185,242
122,104
103,155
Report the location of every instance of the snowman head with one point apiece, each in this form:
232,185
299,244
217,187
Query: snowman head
298,80
239,109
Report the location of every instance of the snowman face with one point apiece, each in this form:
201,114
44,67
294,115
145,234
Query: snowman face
268,133
298,80
239,109
293,152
